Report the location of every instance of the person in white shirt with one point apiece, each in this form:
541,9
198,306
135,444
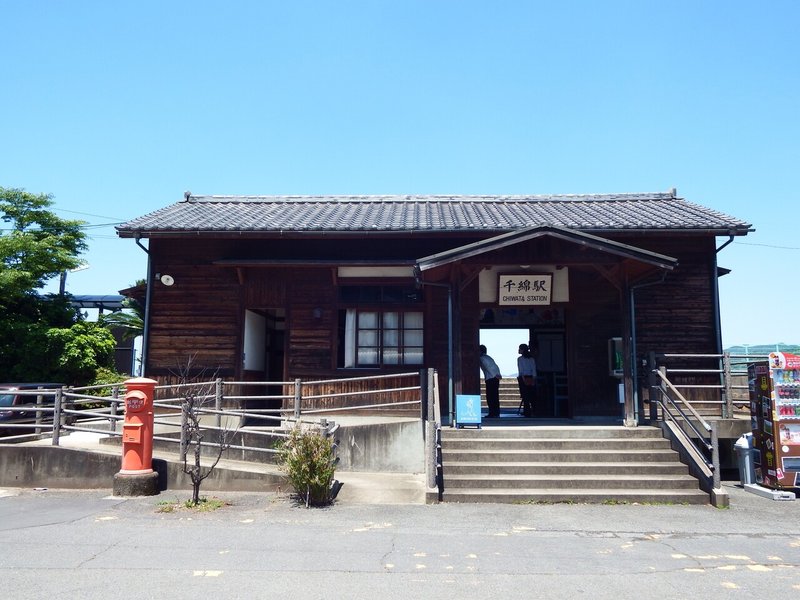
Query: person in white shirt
526,377
492,376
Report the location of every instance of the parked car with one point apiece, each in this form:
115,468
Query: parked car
11,396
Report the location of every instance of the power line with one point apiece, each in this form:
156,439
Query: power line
768,246
82,227
75,212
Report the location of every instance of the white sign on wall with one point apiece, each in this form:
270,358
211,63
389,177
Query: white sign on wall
530,289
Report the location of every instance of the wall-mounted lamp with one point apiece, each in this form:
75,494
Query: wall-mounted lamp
167,280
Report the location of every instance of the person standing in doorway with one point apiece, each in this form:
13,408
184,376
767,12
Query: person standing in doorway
492,377
526,376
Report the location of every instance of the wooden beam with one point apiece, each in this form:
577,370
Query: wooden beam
611,274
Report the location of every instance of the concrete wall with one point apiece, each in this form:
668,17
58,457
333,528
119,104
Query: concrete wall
56,467
382,447
391,447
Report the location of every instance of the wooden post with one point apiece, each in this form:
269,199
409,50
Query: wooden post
297,399
112,425
727,409
57,416
715,453
430,433
218,401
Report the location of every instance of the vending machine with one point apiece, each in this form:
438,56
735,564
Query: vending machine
775,420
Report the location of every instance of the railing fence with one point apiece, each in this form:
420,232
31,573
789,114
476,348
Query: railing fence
225,407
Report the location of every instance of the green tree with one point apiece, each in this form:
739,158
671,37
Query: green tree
35,244
81,350
43,338
131,324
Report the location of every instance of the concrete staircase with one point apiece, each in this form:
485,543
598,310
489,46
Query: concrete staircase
509,395
510,400
544,464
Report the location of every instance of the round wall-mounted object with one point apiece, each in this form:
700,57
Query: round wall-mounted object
167,279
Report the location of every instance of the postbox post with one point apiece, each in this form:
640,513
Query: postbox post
136,477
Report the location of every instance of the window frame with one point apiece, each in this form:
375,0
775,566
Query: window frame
394,338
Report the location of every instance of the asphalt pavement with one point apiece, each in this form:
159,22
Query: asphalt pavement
88,544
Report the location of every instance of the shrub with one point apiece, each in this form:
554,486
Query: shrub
307,458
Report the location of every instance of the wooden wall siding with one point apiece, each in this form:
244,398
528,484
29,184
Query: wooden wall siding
470,339
265,288
436,342
351,387
594,316
310,340
311,323
195,320
201,314
677,316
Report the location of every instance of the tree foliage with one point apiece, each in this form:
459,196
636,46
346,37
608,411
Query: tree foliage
129,321
43,338
35,244
82,349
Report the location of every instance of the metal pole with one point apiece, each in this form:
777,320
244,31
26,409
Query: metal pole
147,302
652,381
450,391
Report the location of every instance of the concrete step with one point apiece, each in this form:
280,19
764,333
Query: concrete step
605,469
564,464
567,444
549,496
552,431
582,456
572,481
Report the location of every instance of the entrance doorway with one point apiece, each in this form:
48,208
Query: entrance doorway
548,346
263,356
502,344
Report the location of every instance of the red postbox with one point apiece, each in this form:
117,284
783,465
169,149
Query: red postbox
137,478
137,429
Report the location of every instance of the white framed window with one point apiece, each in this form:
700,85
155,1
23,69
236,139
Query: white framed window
381,337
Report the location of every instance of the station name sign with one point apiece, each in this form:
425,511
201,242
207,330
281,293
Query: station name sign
525,290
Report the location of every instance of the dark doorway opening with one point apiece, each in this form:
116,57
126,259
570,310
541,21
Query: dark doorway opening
263,358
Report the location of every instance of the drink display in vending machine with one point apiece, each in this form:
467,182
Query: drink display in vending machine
775,419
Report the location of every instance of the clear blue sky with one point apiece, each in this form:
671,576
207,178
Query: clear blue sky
117,108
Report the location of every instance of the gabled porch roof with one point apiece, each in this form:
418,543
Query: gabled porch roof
587,240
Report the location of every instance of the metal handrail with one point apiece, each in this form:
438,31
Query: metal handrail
709,439
660,373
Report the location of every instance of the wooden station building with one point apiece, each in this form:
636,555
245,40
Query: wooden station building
272,288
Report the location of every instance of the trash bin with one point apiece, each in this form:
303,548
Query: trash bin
744,455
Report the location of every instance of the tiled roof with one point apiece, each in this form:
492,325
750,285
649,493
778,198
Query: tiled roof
352,214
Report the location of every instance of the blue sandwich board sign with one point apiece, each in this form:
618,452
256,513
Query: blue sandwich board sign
468,410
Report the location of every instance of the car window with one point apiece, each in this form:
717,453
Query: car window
6,400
